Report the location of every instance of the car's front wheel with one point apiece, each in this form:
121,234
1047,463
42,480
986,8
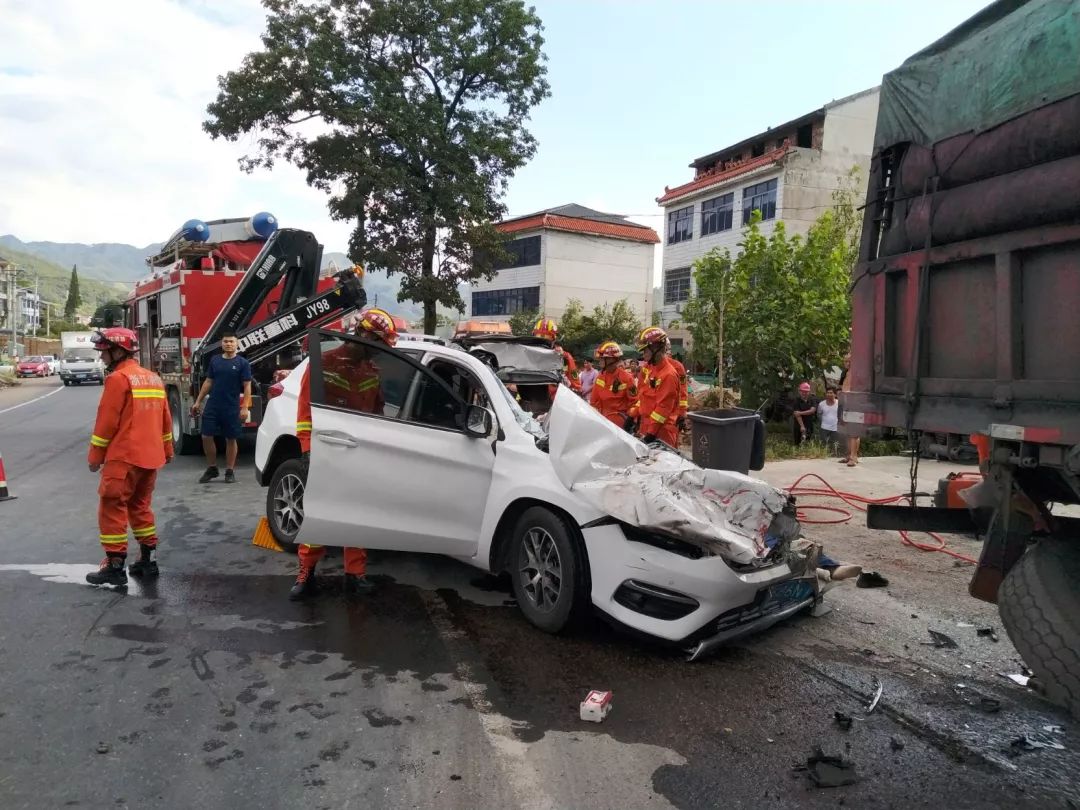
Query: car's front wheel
285,502
548,571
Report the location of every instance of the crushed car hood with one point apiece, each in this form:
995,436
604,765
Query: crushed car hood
521,360
727,513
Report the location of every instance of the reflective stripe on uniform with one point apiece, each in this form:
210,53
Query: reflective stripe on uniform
303,425
166,437
113,538
148,393
97,441
368,384
656,417
601,383
146,532
683,403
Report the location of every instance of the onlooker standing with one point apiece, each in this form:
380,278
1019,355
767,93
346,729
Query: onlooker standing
227,376
802,418
852,457
828,411
588,379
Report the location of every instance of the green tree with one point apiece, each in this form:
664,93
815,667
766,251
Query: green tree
783,301
703,314
74,300
111,313
580,332
421,111
522,323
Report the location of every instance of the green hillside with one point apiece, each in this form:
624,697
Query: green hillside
53,283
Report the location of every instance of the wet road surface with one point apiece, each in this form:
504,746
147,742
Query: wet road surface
209,688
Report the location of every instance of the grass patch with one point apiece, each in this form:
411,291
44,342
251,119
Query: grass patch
780,447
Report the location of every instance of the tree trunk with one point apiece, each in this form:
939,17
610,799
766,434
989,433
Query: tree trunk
720,345
426,272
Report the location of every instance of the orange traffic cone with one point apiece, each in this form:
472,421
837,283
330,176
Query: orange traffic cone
4,494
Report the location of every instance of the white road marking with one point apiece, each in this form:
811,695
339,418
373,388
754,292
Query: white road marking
32,401
65,573
523,777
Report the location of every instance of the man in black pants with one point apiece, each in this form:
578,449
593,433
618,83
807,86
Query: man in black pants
227,376
802,420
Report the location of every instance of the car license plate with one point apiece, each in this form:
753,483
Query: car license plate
794,590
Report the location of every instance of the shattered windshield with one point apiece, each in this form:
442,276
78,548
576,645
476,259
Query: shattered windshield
521,416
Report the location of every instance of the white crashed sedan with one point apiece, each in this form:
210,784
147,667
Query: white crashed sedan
581,515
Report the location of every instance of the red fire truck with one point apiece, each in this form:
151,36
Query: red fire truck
244,276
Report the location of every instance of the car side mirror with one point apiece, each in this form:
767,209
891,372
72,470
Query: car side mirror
478,422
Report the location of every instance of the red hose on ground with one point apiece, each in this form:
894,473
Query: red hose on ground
859,502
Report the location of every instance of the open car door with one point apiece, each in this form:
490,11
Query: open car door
398,460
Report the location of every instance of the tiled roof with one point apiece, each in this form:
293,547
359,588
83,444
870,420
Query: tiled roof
555,222
723,176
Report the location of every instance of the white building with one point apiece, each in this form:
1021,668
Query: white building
564,253
788,172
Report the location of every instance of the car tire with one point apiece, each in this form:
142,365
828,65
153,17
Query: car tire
548,570
1040,608
285,502
184,444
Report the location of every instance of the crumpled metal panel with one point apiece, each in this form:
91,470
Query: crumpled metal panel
726,513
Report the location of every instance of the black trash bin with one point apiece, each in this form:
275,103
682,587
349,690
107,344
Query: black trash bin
728,439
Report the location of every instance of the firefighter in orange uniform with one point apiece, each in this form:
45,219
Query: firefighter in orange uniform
350,380
547,329
615,389
657,408
684,392
132,440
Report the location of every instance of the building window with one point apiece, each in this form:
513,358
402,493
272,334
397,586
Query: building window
677,285
505,302
804,136
523,253
680,225
761,197
716,214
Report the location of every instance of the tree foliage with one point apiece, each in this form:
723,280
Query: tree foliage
74,299
111,313
580,331
522,323
785,298
410,115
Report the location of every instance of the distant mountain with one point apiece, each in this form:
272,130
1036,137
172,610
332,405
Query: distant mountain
107,261
52,282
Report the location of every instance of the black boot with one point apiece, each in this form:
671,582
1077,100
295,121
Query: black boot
358,585
305,584
211,473
111,572
146,565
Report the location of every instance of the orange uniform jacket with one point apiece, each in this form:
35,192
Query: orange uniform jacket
133,423
658,402
684,395
347,383
614,393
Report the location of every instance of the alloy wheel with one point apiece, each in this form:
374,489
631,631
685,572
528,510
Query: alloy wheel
540,569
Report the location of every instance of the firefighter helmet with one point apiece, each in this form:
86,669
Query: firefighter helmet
116,336
650,335
379,323
608,349
546,328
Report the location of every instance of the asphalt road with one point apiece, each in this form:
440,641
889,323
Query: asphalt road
210,689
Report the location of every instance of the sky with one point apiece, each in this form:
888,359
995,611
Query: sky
101,104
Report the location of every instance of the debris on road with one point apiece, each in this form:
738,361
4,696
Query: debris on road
940,641
1016,677
989,705
103,748
1032,742
896,744
1054,729
596,706
877,697
842,720
871,579
987,632
829,770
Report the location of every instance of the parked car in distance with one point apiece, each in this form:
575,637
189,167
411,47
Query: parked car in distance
33,366
54,364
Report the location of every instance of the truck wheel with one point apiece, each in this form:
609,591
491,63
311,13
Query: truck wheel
548,571
285,502
184,444
1040,608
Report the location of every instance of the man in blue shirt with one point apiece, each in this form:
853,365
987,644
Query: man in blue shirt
226,378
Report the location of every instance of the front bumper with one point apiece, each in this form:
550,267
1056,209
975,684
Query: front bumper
730,604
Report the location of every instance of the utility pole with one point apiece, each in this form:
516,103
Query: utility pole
37,306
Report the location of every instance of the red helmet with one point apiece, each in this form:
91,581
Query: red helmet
116,336
546,328
650,335
380,323
608,349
